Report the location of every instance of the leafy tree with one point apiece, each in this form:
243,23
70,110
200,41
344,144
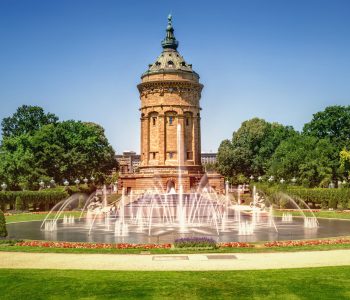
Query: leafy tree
18,163
225,158
309,159
26,120
61,150
251,148
3,231
332,123
345,161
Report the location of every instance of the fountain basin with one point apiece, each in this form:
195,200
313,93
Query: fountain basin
79,232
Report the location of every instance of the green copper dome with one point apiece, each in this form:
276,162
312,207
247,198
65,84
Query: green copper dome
169,60
170,41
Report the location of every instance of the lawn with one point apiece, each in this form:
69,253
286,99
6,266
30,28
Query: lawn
23,217
258,249
308,283
329,214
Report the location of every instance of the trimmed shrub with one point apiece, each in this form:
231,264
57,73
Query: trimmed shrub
19,204
3,230
44,198
324,197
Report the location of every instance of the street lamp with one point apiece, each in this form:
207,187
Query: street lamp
251,177
271,178
282,181
4,186
86,180
65,182
92,178
52,181
260,178
77,181
42,184
294,180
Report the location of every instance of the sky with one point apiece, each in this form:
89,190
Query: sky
278,60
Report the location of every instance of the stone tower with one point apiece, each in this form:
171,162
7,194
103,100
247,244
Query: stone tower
170,93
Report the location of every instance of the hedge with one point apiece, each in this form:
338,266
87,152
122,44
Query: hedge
44,199
324,197
3,230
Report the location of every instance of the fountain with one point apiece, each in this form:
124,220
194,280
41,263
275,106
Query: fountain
287,217
169,212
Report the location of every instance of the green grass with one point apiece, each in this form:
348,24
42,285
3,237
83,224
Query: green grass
308,283
329,214
258,249
23,217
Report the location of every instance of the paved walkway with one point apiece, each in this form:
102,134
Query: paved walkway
190,262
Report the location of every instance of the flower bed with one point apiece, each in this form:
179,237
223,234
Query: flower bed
189,243
73,245
195,242
306,243
235,245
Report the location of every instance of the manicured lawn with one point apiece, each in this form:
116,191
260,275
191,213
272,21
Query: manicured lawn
309,283
258,249
37,217
320,214
22,217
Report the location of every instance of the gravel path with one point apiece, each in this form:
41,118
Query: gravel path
190,262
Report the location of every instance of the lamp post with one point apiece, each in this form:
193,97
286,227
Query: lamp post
4,186
42,184
293,180
86,180
116,185
65,182
226,187
282,181
271,179
260,178
52,182
77,181
92,179
251,177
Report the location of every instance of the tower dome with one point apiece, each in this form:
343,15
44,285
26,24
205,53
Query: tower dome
170,59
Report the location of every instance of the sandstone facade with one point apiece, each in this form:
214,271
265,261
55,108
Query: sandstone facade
170,94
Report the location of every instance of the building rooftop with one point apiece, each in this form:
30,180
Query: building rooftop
170,59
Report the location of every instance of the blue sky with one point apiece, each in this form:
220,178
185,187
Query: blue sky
278,60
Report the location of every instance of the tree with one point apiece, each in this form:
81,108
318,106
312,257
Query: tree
3,230
59,150
225,158
345,161
332,123
18,163
73,149
26,120
251,148
307,158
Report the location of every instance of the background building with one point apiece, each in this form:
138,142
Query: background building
208,158
129,162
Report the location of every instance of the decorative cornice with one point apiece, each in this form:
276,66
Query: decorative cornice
171,87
